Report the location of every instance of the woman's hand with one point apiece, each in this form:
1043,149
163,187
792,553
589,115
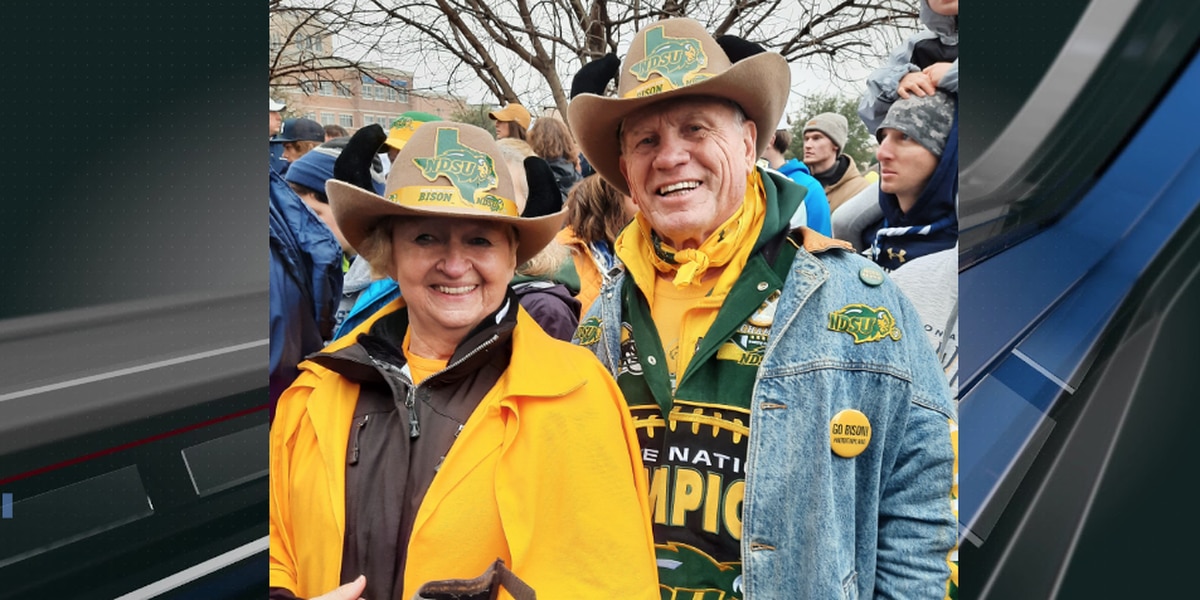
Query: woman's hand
918,83
350,591
936,71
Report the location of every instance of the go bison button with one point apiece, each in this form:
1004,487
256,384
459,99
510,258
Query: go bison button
849,433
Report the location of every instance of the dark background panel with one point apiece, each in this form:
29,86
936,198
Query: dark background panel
133,174
1125,532
132,166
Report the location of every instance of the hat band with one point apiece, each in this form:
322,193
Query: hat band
448,196
659,85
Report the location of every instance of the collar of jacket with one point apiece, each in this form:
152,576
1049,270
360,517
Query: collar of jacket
382,341
535,369
783,197
835,173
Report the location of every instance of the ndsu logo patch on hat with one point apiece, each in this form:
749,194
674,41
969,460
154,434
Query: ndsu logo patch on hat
864,323
677,60
470,171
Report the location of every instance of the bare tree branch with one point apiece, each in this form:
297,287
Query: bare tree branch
523,50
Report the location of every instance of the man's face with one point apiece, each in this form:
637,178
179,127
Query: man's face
686,163
904,166
276,122
291,151
947,8
819,151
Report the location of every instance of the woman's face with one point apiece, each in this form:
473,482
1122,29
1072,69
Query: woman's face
452,272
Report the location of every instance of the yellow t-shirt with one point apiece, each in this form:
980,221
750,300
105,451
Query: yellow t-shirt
682,316
419,367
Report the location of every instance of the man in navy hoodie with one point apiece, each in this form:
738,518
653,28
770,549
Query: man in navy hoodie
915,233
918,180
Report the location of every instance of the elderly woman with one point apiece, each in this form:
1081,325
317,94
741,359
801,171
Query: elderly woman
448,430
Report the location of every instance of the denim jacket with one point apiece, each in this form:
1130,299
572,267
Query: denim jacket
814,524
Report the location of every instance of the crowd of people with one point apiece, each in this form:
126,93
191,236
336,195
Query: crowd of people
641,352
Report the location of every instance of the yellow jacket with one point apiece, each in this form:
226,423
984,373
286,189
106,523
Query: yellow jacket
546,475
586,266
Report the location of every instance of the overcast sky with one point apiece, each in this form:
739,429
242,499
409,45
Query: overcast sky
807,79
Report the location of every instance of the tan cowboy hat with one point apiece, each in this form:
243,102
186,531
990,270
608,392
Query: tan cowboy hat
445,169
669,59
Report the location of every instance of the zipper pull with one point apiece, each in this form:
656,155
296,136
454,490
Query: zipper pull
357,432
414,426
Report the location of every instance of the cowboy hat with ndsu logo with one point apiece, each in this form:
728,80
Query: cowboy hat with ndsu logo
669,59
445,170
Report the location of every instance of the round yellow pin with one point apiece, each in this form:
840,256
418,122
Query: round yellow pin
849,433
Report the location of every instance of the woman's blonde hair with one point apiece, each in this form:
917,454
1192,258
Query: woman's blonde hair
550,138
547,262
596,210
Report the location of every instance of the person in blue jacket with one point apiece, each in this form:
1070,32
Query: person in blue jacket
815,215
305,280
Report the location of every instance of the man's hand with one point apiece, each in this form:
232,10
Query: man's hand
936,71
350,591
918,83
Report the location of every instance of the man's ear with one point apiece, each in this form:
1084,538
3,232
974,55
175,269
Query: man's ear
750,136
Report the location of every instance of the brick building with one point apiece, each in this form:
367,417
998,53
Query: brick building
317,84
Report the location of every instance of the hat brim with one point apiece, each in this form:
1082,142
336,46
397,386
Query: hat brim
357,210
759,84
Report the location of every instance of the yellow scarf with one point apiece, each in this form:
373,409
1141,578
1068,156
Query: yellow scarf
640,249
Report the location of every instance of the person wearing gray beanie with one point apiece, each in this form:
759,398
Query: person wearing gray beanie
834,126
918,179
925,119
825,137
918,199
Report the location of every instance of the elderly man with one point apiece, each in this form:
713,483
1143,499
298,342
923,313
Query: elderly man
798,435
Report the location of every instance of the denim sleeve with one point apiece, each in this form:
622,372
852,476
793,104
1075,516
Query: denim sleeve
605,316
917,523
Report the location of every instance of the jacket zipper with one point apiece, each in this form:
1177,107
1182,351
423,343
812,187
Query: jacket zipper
414,427
410,402
357,433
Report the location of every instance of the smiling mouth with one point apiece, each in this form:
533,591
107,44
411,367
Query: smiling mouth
678,188
454,291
